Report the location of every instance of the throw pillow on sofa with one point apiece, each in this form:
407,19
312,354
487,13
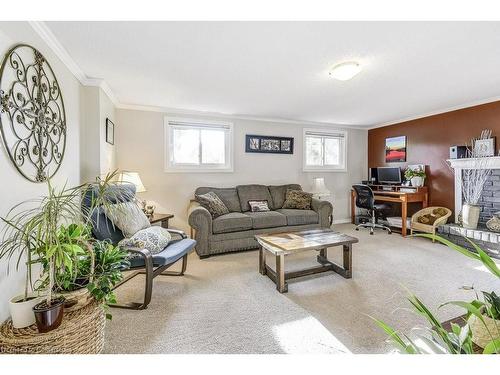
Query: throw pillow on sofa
258,206
154,239
298,199
128,217
212,203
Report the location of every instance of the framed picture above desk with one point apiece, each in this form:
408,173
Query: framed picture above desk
398,194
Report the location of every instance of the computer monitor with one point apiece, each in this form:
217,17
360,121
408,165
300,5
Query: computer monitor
389,175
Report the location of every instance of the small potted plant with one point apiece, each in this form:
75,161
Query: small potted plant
416,176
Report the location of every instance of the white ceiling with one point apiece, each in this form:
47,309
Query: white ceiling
280,69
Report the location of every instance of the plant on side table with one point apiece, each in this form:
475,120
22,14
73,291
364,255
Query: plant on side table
482,326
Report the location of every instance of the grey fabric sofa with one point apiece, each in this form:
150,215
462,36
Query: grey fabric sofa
235,231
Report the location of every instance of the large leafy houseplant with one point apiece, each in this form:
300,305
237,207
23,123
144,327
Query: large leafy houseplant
460,339
52,231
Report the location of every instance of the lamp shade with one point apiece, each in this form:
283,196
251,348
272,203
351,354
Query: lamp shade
132,178
319,188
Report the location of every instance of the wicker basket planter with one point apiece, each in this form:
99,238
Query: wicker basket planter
480,335
81,332
76,300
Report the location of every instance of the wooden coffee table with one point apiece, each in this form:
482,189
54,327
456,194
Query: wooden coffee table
282,244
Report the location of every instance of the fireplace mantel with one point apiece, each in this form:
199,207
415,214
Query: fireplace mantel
490,162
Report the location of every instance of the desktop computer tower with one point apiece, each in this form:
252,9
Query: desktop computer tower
373,175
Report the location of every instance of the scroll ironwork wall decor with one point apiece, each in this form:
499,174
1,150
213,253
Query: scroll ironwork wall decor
32,116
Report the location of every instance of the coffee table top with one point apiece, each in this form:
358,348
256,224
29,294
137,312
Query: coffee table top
314,239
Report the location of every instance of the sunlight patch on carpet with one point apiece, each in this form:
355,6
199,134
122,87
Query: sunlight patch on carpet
307,335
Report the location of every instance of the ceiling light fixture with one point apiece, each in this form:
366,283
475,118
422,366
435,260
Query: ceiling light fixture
345,71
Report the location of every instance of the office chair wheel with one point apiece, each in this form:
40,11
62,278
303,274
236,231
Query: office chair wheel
371,232
357,228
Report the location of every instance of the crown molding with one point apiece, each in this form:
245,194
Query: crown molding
438,112
50,39
188,112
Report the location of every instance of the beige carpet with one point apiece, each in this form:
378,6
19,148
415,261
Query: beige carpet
223,305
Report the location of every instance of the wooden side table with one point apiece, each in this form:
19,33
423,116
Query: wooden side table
160,218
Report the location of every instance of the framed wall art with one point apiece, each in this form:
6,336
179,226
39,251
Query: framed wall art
395,149
110,132
268,144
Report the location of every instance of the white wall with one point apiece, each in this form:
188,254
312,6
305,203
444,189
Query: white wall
98,157
15,188
140,147
107,151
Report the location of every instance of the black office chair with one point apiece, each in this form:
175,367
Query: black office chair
366,200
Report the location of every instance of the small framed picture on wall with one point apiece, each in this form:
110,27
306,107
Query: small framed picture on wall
395,149
110,132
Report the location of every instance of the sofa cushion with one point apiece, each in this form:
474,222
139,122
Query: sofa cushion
212,203
231,222
227,195
252,193
299,217
298,199
278,193
269,219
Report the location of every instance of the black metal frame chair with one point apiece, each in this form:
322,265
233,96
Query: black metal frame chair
153,265
365,199
151,272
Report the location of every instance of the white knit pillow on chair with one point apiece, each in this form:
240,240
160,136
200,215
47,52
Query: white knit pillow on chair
128,217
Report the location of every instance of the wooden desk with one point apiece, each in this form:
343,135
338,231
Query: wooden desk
395,195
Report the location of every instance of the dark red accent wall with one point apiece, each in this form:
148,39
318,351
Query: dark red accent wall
428,142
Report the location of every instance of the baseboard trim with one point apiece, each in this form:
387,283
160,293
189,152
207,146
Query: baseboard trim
341,221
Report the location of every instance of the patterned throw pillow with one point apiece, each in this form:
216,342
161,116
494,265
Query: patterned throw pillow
128,217
258,206
298,199
212,203
154,239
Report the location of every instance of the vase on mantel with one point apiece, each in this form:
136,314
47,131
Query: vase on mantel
470,216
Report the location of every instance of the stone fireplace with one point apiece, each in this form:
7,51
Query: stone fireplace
489,202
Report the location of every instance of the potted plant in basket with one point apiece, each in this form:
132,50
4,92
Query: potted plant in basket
482,326
416,176
51,232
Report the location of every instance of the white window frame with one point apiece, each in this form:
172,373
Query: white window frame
170,167
325,168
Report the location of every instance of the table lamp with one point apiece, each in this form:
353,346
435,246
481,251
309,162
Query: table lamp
127,177
319,189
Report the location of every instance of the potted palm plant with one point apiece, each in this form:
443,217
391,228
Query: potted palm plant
482,326
51,232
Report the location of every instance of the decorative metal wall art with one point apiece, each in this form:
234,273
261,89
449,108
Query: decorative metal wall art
32,117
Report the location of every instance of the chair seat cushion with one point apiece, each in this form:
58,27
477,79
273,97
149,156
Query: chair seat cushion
231,222
269,219
175,250
299,217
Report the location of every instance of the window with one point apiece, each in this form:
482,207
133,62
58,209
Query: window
325,150
198,146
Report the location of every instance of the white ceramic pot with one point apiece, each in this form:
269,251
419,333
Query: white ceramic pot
22,311
470,216
480,335
417,181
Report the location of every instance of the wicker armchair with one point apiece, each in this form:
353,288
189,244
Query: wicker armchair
428,228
